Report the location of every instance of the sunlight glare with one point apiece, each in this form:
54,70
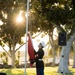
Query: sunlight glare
1,23
19,17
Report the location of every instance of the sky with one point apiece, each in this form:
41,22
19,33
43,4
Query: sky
35,41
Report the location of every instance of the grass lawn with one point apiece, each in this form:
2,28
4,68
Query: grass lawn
32,71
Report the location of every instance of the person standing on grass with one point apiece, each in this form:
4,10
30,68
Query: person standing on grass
38,59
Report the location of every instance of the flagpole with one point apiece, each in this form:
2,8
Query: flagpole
26,48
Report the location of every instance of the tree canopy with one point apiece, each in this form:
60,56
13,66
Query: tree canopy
54,13
11,31
44,15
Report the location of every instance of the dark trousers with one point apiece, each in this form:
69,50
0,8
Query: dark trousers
39,71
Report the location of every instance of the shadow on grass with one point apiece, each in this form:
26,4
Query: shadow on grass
32,71
7,71
16,72
12,72
66,74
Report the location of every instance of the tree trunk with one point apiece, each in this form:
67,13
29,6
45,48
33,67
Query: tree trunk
53,63
58,53
13,57
64,57
13,52
74,55
53,48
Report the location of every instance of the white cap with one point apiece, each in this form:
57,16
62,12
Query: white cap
42,43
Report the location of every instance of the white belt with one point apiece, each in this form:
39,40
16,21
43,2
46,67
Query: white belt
40,59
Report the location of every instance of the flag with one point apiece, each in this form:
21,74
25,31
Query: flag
31,50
